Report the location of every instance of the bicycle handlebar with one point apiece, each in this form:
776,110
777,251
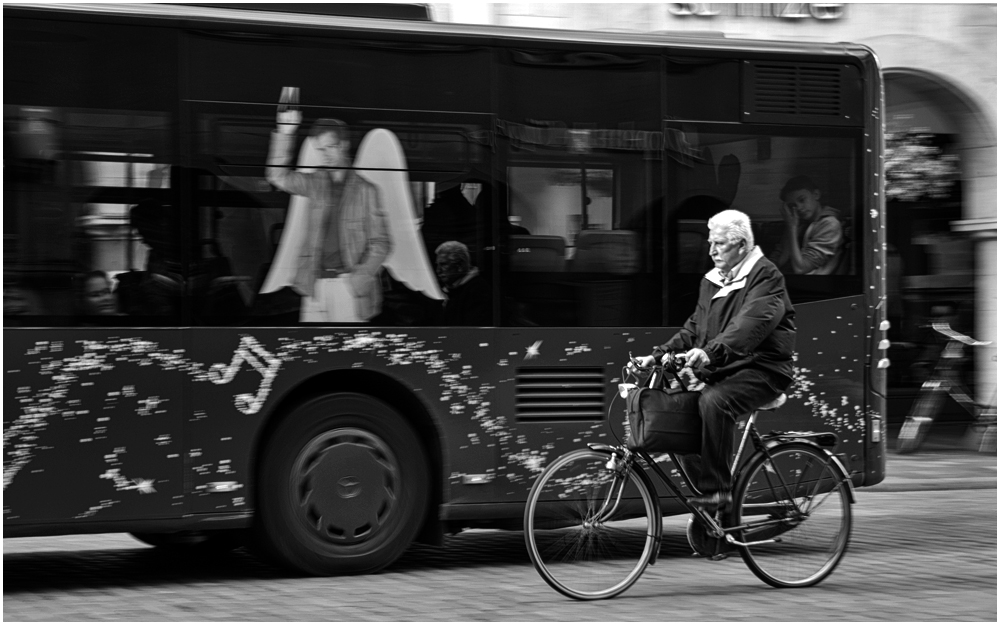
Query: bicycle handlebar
676,363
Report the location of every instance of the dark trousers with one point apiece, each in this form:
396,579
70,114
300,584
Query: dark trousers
720,406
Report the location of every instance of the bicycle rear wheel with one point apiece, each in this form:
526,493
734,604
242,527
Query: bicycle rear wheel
590,530
797,509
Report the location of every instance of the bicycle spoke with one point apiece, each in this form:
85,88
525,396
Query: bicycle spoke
588,529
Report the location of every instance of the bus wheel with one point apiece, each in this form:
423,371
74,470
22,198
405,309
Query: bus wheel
343,487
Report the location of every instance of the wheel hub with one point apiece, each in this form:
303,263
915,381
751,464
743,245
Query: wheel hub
346,486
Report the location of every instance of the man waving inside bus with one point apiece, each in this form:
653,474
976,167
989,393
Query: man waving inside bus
739,340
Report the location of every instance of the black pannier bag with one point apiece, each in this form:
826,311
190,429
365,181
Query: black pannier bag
663,421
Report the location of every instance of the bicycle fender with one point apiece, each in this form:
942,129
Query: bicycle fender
818,439
843,476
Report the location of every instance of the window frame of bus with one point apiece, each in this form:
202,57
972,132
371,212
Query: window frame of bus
359,120
801,288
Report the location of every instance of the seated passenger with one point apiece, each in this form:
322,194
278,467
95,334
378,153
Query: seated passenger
95,296
18,301
813,241
469,296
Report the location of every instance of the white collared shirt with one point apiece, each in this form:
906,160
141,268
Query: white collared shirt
738,274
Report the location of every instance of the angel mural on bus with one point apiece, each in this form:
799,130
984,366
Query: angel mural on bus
345,220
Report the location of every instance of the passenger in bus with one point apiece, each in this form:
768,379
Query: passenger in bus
740,340
813,240
468,296
346,234
158,290
18,301
96,296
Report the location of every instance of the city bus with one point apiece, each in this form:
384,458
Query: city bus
168,373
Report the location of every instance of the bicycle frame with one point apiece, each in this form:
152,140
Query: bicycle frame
715,529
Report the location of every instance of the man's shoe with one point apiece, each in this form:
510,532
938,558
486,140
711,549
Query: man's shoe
712,501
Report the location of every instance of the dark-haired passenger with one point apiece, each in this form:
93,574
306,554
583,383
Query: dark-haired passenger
813,240
96,296
469,296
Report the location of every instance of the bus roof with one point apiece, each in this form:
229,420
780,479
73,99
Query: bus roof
381,10
230,15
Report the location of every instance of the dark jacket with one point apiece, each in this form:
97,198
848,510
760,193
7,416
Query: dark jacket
469,303
748,324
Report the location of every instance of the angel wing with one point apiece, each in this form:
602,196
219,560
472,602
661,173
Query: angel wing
380,159
293,236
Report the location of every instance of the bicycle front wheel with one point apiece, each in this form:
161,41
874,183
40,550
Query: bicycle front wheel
590,530
793,512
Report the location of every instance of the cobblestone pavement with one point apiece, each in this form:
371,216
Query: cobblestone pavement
914,555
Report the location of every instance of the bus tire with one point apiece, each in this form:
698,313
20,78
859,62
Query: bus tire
344,486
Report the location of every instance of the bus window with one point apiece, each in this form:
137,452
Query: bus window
575,250
273,245
88,220
800,189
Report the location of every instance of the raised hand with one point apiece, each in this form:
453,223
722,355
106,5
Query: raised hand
288,120
790,215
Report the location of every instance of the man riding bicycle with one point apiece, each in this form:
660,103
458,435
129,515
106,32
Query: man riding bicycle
740,340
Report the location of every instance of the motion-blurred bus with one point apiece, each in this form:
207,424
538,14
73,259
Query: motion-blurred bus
164,376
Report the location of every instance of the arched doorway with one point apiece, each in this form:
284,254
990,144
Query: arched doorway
938,266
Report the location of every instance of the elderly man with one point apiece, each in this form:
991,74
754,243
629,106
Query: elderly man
740,340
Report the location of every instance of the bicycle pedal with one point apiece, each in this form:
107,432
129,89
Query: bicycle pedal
718,557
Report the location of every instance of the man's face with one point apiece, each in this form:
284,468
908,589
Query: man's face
724,254
449,269
804,202
334,151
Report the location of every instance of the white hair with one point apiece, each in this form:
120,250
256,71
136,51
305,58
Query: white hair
735,224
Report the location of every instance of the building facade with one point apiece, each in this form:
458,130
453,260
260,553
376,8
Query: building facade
940,67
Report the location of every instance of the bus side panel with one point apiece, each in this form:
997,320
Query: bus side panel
92,425
246,374
826,394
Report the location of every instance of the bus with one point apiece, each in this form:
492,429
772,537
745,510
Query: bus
176,368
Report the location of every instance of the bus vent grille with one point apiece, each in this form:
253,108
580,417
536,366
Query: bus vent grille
801,93
560,393
795,90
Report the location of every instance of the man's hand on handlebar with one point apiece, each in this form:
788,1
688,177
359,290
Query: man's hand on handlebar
696,358
693,358
671,361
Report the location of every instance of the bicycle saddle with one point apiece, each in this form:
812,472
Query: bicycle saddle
774,404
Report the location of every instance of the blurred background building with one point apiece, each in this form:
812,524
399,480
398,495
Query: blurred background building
940,68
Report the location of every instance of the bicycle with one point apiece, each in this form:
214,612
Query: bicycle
592,521
946,380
